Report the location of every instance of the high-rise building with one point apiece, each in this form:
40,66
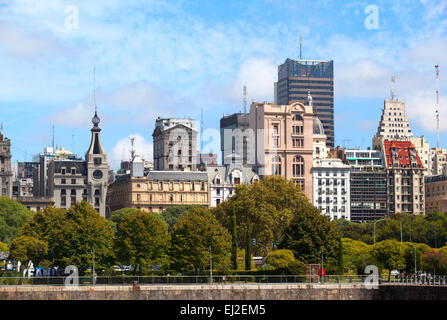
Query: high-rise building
296,77
405,174
284,141
393,125
369,192
175,145
6,173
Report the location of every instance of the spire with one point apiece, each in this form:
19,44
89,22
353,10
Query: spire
95,120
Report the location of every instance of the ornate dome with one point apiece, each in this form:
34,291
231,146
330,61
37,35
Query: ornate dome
318,127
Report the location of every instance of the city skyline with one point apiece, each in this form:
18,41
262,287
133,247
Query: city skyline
203,60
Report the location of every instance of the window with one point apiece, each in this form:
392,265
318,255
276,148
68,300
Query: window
275,129
276,166
63,171
297,117
97,161
297,130
298,166
237,180
73,181
63,181
297,142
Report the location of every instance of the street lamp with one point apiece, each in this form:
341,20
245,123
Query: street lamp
375,229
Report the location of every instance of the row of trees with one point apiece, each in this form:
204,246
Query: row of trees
430,229
271,216
393,255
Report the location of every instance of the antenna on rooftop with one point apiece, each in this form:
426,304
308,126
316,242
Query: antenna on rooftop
301,46
53,138
132,150
437,105
94,89
393,81
1,127
245,99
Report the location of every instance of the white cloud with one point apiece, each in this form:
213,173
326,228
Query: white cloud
121,150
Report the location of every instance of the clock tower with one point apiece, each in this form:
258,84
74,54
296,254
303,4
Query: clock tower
97,170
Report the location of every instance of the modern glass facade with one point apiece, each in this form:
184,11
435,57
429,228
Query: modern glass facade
296,77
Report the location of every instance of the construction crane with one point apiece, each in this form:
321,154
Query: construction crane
437,105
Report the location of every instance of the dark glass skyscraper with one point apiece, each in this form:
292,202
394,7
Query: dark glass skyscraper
296,77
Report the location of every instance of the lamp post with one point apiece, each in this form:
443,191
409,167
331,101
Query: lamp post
375,229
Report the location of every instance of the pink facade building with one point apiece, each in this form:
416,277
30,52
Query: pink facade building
284,141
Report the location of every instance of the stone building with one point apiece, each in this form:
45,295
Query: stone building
6,173
175,145
405,174
284,141
158,190
224,179
72,181
321,150
437,161
331,188
436,193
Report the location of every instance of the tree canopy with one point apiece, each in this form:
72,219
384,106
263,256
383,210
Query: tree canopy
173,213
266,205
191,238
12,216
73,236
26,249
142,240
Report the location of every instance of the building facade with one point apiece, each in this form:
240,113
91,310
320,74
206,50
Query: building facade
235,137
437,161
369,190
175,145
159,190
284,141
331,188
436,193
6,173
405,174
224,179
296,77
72,181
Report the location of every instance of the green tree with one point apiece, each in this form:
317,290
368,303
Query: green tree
26,249
12,216
142,240
173,213
435,261
268,206
390,255
248,249
310,233
341,268
191,238
3,247
73,235
118,215
280,259
234,242
356,255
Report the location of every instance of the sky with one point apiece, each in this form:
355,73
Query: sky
175,58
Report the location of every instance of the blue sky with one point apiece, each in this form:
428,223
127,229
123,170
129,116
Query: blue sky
172,58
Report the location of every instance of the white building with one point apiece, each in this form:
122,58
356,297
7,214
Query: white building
224,179
331,188
423,150
437,162
321,150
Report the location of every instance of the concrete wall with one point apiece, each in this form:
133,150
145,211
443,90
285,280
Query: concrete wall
225,292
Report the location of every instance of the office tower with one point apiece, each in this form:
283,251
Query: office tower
368,185
296,77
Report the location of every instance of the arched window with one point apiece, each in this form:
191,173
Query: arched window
276,165
297,117
97,192
298,166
